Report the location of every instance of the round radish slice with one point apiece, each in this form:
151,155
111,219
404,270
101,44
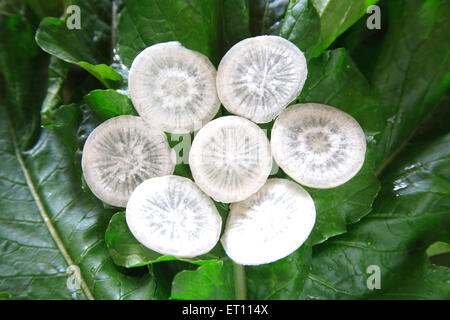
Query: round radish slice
172,216
121,153
258,77
317,145
230,158
271,224
173,88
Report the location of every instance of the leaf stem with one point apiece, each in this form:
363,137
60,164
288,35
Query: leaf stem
240,287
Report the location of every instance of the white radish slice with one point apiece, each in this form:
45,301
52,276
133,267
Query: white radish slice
270,225
258,77
121,153
230,158
173,88
317,145
172,216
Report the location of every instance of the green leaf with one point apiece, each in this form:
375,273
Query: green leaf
283,279
438,248
213,281
314,24
194,23
334,80
50,229
5,296
46,8
266,16
164,272
338,207
109,103
89,47
301,26
236,22
57,74
412,72
13,7
24,71
126,251
410,214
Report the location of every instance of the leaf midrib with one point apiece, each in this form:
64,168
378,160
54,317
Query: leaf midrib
43,212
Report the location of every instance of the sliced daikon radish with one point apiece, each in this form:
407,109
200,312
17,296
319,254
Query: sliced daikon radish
258,77
269,225
173,88
230,158
121,153
172,216
317,145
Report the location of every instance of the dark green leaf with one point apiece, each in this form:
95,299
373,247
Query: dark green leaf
57,73
266,16
314,24
46,8
213,281
164,272
5,296
126,251
109,103
334,80
301,26
24,71
13,7
410,214
89,47
194,23
412,72
236,22
50,228
282,279
338,207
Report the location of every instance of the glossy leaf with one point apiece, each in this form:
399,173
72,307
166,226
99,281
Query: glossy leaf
410,214
334,80
109,103
89,47
301,26
266,16
412,72
126,251
236,22
51,232
314,24
57,74
283,279
193,23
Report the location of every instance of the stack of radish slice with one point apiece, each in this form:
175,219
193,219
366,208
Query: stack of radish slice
127,161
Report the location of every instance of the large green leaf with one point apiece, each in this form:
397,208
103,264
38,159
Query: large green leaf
194,23
266,16
236,22
314,24
51,232
334,80
411,213
126,251
301,26
89,47
57,74
283,279
412,72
